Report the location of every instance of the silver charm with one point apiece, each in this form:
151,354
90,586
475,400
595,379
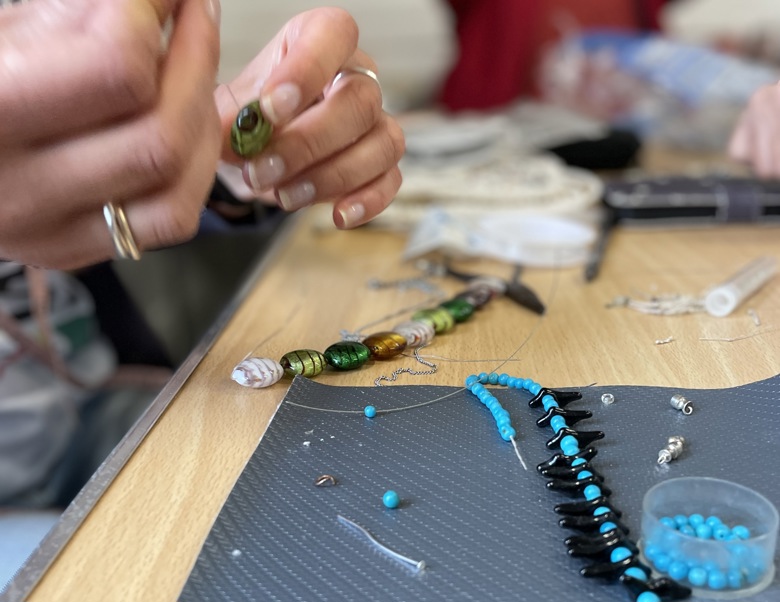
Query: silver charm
674,447
680,403
257,372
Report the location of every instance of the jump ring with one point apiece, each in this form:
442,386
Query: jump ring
359,71
121,234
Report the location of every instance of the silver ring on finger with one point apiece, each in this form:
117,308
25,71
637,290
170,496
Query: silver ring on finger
359,71
121,234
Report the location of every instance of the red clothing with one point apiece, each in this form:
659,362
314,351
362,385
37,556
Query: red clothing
500,42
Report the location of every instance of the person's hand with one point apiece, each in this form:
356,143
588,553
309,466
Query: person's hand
331,143
93,110
756,138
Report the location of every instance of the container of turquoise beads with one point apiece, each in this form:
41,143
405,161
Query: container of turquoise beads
716,536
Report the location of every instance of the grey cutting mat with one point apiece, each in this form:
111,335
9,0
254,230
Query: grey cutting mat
485,527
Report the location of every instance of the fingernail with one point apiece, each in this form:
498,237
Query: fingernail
281,103
264,172
352,215
214,9
297,196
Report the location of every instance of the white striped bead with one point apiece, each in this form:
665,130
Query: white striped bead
416,332
257,372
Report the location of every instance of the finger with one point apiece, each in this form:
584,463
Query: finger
70,65
739,144
368,202
374,154
345,115
140,155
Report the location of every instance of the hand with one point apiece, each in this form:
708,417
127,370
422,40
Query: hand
756,139
92,110
331,143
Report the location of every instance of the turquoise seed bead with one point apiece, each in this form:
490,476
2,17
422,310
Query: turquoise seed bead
697,576
534,388
347,355
584,474
507,433
483,377
678,570
478,388
390,499
619,553
636,573
741,531
527,382
608,526
703,532
713,521
579,462
600,510
591,492
493,378
648,597
662,562
305,362
734,577
471,380
681,520
548,401
694,520
668,521
721,532
503,379
651,551
688,530
717,580
557,423
369,411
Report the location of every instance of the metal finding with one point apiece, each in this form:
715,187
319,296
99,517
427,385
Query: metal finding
680,403
607,399
325,480
674,447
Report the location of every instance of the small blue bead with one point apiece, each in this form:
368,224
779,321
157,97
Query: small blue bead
570,450
471,380
681,520
557,423
697,576
390,499
477,389
662,562
548,401
721,532
678,570
568,440
493,378
688,530
483,377
369,411
668,521
534,388
741,531
704,532
579,462
601,510
527,382
501,423
584,474
619,553
507,433
713,521
591,492
734,578
717,580
648,597
651,551
608,526
503,379
694,520
636,573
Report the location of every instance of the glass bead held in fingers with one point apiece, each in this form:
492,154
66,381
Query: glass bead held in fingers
250,132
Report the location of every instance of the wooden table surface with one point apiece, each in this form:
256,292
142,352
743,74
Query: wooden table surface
143,535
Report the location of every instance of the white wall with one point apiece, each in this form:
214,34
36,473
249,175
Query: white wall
411,40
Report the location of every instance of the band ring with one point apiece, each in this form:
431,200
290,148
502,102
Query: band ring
121,235
359,71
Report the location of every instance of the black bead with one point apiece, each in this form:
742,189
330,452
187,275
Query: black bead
563,460
585,507
583,437
577,486
562,398
591,523
571,417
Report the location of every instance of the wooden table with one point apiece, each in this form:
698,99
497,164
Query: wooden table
139,539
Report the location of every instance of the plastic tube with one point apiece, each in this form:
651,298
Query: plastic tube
726,297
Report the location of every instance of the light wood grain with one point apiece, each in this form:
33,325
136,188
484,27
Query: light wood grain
143,537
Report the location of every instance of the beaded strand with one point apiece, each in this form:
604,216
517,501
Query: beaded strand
570,472
257,372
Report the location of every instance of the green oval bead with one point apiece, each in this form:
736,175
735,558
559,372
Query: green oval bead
347,355
306,362
251,131
438,317
384,345
460,309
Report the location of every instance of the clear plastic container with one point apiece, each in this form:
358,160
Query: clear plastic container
714,536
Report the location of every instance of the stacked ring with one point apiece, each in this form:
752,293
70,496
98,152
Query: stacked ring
121,235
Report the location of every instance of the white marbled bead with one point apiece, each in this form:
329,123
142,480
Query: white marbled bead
416,332
257,372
